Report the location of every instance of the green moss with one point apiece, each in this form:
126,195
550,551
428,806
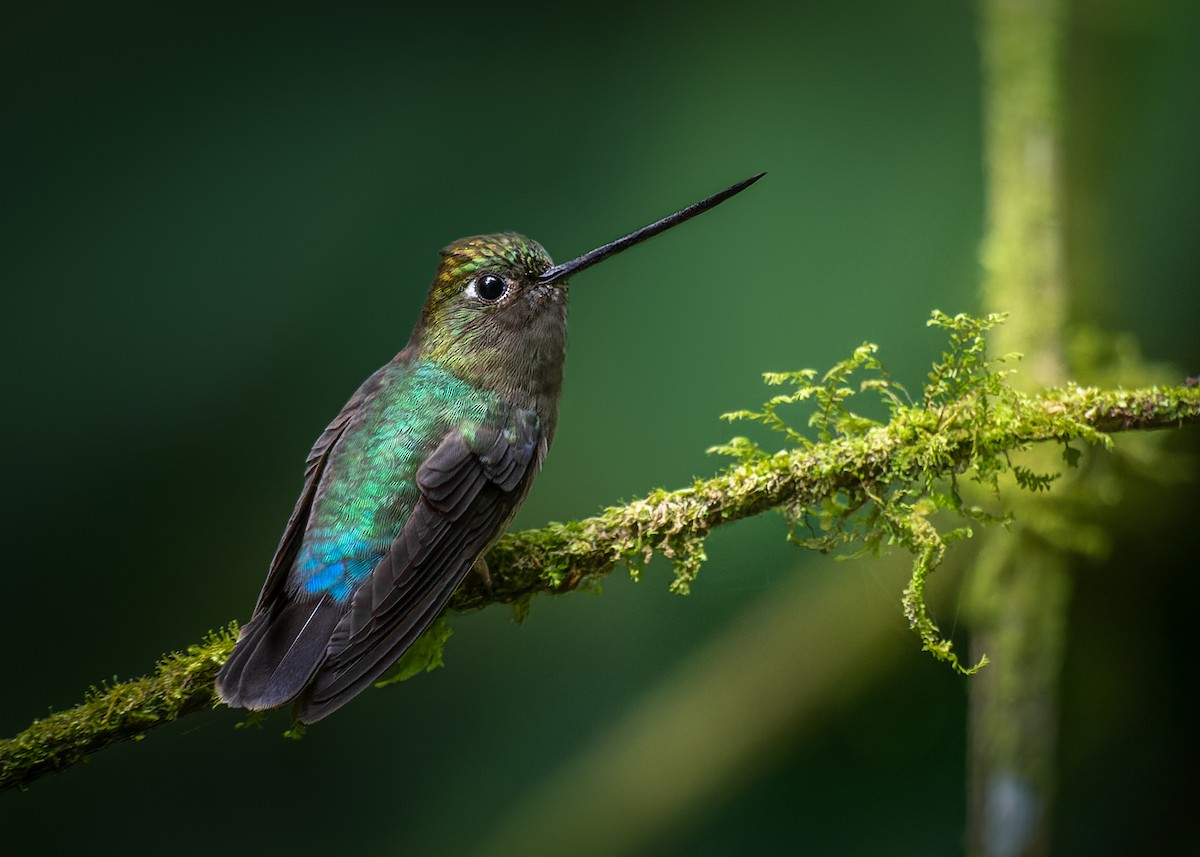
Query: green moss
867,485
858,484
422,656
182,682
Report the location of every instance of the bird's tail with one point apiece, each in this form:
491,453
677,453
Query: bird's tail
277,653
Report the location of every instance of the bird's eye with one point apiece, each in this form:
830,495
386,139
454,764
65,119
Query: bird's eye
490,287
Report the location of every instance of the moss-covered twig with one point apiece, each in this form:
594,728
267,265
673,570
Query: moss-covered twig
957,428
181,684
558,557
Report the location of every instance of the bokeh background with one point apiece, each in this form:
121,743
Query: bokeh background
216,223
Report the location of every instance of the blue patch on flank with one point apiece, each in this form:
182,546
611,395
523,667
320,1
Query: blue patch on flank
322,568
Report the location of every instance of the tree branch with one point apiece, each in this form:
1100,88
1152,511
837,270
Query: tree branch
559,557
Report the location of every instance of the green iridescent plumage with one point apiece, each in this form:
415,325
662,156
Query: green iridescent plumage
371,486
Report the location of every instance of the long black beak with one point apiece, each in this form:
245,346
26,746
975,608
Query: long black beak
561,272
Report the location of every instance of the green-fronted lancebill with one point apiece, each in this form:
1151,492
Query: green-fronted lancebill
420,472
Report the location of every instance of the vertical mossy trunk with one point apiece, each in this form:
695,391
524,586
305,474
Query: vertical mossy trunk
1018,596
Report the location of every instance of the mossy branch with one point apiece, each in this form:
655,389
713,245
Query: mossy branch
860,481
182,683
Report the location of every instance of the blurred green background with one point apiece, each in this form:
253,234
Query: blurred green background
216,223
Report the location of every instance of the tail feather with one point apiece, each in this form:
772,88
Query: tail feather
277,653
333,688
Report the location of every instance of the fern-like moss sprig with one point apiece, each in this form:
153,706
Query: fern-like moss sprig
961,427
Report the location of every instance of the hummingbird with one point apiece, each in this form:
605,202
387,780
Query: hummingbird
418,474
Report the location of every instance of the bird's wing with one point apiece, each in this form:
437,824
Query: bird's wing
272,660
470,487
